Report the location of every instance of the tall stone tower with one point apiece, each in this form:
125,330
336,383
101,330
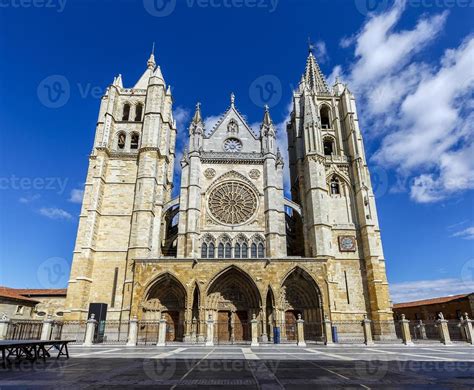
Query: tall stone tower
331,182
230,246
128,181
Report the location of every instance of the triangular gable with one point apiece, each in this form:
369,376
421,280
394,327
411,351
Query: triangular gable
222,123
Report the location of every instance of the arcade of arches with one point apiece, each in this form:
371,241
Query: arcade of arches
232,299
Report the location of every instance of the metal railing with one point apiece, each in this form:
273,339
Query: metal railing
72,330
24,330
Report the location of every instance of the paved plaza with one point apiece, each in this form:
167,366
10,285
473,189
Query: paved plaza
245,367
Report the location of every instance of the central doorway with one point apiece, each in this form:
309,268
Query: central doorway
234,298
232,327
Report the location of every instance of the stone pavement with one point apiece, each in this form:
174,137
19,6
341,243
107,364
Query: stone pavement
243,367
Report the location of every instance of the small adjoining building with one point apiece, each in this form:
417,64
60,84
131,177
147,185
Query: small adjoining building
27,304
452,307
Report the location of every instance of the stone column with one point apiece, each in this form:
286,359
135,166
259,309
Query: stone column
47,328
300,331
210,331
254,331
162,333
90,331
366,324
467,324
328,331
132,332
4,322
405,326
443,330
263,321
422,329
200,335
194,330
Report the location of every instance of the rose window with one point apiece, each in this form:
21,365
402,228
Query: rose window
232,145
232,203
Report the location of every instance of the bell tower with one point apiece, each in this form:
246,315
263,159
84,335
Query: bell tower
129,179
330,181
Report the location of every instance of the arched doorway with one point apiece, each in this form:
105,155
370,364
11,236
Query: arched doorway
166,299
300,295
233,298
270,314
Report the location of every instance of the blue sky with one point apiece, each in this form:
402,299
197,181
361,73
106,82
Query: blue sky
410,65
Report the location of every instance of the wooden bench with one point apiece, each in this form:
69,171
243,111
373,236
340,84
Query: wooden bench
32,349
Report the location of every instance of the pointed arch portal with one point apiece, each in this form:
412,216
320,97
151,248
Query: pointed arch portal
166,298
234,298
300,295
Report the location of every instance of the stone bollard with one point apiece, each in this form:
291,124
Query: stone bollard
47,328
467,324
132,332
443,330
300,331
366,324
162,332
90,331
210,331
328,331
254,330
4,322
405,327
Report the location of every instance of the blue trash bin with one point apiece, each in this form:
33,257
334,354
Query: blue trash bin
276,335
334,334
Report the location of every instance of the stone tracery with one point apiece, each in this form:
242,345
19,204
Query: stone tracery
232,203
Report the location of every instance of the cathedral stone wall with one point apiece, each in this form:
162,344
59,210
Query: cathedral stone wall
221,248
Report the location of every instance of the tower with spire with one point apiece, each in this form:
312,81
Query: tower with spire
128,181
229,246
331,182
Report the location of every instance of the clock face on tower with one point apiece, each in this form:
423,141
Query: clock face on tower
232,145
347,243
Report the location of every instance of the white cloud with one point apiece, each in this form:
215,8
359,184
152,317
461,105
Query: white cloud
210,122
419,110
321,52
182,116
76,196
424,289
29,198
466,234
54,213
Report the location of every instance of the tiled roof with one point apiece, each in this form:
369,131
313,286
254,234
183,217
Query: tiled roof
31,292
11,293
431,301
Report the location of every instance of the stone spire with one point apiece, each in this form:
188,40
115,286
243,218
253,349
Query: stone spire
268,133
267,121
197,118
313,76
151,61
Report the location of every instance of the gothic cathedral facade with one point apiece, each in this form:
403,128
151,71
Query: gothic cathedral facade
230,246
